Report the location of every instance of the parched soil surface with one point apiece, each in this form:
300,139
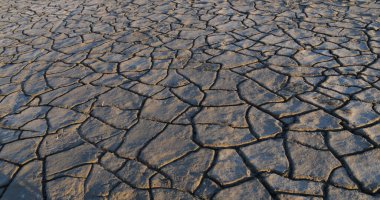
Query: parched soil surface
190,99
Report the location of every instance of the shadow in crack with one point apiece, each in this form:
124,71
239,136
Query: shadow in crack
27,183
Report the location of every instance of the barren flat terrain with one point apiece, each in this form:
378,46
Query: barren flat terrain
190,99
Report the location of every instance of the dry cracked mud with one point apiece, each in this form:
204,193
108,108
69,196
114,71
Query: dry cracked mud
190,99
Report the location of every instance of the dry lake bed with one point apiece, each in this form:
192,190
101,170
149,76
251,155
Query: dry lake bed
190,99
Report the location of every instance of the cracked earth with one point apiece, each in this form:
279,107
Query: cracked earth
182,99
